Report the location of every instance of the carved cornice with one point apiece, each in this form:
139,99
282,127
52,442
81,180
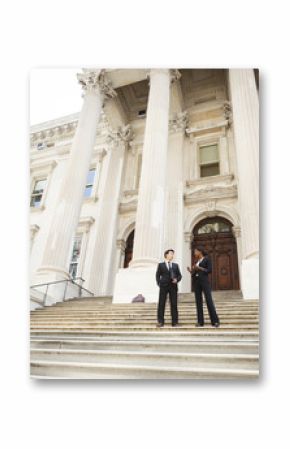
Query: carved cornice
210,189
44,166
129,206
224,179
93,80
85,223
210,192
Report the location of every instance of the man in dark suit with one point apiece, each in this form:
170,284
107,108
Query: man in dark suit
167,277
200,271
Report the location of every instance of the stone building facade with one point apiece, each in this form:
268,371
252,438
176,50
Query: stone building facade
156,159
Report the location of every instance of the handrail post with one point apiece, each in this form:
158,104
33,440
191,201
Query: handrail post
45,296
65,289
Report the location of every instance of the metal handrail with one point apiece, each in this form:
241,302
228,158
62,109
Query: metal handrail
67,281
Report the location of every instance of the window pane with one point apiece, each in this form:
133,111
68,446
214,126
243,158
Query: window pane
208,153
218,226
209,170
40,185
88,191
35,200
91,176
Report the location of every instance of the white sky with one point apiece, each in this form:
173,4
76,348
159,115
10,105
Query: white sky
53,93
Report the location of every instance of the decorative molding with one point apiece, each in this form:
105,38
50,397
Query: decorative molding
130,206
93,80
226,179
210,192
208,128
121,244
43,167
179,122
228,113
33,230
85,223
174,75
237,231
123,134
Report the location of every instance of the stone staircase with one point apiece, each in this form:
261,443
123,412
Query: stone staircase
94,339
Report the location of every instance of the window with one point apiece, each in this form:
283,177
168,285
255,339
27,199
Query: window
40,146
37,193
142,113
214,226
90,183
209,160
73,268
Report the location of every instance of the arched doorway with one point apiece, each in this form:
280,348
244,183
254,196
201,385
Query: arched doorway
129,249
216,236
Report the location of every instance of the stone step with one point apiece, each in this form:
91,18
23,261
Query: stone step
153,345
198,334
69,370
133,326
154,359
144,309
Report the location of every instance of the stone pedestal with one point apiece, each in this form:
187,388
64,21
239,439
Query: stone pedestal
245,108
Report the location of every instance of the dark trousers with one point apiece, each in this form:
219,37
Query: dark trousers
201,284
164,290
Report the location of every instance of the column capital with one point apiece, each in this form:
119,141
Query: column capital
92,80
123,134
174,75
179,122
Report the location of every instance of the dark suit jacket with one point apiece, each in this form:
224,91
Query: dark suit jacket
163,278
205,263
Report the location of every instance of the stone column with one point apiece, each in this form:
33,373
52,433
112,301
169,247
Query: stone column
245,108
104,257
148,239
55,261
174,212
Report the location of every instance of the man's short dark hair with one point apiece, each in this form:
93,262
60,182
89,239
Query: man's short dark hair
168,251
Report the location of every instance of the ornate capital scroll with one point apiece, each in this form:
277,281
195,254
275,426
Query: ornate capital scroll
96,79
174,75
123,134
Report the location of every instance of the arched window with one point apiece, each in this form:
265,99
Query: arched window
212,226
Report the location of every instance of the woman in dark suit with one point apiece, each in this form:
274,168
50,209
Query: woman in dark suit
199,272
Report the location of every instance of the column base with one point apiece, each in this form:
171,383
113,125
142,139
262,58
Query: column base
56,291
131,282
250,278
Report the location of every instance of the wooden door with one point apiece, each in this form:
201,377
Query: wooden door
129,249
222,249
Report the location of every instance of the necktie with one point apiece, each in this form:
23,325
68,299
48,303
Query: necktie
170,270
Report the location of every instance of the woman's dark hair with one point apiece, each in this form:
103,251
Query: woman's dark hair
202,250
168,251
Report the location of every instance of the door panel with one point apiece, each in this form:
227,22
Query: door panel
222,250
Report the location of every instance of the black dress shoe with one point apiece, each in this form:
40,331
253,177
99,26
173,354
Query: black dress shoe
199,325
176,325
216,325
160,325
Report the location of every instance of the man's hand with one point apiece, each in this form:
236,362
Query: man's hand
174,281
